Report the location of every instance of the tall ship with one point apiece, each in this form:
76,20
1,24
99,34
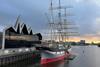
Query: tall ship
19,39
56,49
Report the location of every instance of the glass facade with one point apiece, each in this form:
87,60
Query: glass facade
14,40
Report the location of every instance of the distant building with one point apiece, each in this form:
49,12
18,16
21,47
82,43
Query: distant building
82,42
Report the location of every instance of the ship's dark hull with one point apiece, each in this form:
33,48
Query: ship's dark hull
36,57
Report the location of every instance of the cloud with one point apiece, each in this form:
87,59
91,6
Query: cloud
87,14
78,1
96,25
97,2
87,37
2,28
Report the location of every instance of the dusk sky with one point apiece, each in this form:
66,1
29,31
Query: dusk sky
86,15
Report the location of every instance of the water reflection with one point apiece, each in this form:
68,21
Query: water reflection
87,56
63,63
24,63
28,63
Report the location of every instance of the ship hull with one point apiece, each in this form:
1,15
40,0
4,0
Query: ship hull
49,56
36,57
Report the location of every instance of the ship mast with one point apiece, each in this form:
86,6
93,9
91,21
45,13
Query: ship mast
60,19
52,24
52,21
59,28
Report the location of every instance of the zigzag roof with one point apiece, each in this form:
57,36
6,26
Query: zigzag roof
20,28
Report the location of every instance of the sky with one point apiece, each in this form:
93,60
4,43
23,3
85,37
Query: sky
86,15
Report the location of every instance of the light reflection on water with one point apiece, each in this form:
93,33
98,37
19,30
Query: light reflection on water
87,56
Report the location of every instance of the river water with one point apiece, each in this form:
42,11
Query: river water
86,56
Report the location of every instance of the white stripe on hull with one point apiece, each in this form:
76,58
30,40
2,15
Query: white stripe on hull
50,54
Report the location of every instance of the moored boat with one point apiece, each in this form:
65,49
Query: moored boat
53,55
